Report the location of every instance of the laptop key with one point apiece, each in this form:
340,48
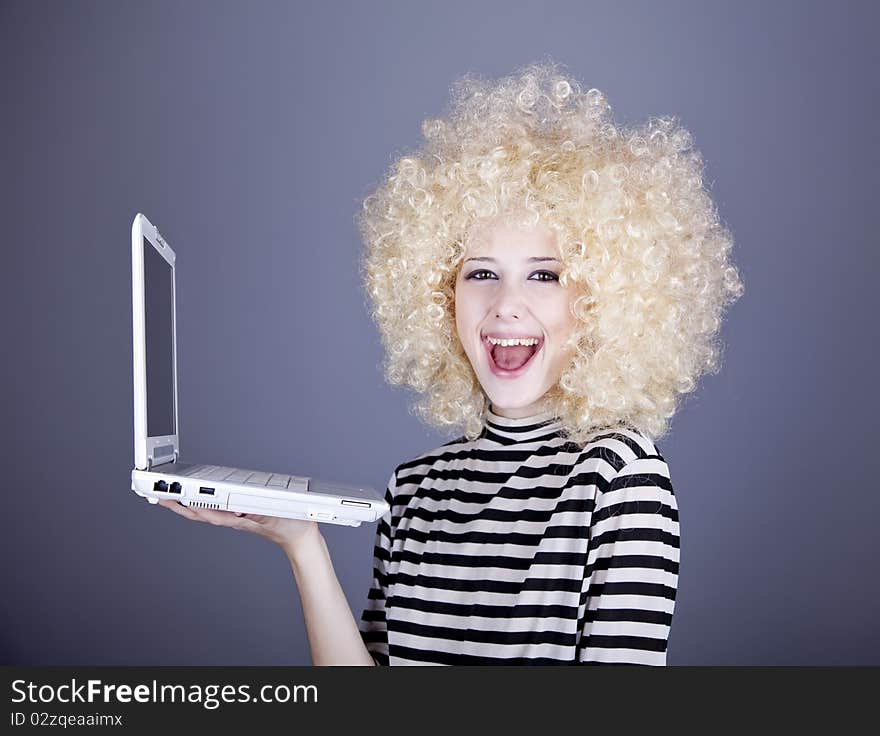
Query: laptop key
258,479
298,483
193,471
238,476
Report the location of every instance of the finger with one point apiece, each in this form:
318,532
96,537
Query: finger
258,518
180,509
232,520
236,520
221,518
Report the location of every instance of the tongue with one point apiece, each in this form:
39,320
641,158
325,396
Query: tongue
512,357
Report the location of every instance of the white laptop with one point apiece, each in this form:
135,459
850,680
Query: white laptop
158,470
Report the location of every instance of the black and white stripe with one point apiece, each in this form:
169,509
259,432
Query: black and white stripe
523,548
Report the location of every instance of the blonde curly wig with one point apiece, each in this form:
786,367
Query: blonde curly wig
635,227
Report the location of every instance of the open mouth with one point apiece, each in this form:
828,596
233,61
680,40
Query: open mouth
510,361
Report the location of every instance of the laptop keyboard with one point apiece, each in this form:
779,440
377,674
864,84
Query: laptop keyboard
277,481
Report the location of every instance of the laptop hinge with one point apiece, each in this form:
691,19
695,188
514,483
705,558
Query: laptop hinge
151,461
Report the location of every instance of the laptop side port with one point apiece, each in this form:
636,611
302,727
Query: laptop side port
160,485
206,491
175,487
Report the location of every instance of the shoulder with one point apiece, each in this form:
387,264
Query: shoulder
623,452
422,463
409,475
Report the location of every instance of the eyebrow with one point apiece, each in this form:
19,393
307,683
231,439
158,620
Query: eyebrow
533,259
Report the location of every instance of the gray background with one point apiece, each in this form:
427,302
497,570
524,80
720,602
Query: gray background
249,134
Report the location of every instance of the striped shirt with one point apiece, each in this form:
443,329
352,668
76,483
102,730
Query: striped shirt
520,547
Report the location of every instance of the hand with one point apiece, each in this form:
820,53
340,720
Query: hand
289,534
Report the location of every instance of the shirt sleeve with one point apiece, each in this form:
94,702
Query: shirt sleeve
631,574
373,626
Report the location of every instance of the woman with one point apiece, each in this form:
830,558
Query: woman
550,284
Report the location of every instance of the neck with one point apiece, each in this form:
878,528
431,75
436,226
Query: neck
507,430
538,408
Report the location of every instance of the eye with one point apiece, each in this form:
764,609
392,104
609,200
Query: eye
474,274
549,274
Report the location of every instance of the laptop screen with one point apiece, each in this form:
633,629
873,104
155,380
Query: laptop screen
159,339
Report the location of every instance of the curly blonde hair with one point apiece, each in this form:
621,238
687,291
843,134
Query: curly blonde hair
635,227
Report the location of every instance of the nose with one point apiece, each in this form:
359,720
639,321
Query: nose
508,303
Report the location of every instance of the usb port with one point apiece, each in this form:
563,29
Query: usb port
206,491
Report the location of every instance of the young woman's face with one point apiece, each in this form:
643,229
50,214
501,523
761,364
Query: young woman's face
508,288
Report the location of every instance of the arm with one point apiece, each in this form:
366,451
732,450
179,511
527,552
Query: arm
334,636
631,575
331,628
333,633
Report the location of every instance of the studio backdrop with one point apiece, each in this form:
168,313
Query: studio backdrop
250,134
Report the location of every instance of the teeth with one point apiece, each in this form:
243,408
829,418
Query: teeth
513,341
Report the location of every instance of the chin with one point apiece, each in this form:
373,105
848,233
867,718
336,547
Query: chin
513,398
